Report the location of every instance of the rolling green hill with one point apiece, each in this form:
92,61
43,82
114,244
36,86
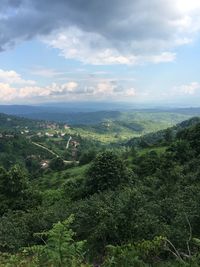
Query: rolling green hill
138,207
159,137
129,124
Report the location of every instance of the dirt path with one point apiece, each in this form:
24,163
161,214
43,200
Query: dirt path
47,149
67,146
52,152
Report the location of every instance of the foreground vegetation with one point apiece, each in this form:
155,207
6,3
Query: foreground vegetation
130,206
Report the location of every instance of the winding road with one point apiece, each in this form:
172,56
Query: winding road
67,146
53,153
47,149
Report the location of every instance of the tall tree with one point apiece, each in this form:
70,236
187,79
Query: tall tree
107,172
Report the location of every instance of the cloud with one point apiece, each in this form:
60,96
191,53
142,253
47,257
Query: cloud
45,72
48,91
7,93
76,44
13,77
103,32
188,89
19,90
130,92
105,89
95,90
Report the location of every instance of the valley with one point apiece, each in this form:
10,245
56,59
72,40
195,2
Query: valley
109,179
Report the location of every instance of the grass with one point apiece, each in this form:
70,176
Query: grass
77,172
120,129
55,180
158,150
113,131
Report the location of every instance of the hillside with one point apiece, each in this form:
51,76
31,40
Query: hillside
95,113
35,144
16,149
40,141
162,136
89,118
17,124
130,124
152,192
105,127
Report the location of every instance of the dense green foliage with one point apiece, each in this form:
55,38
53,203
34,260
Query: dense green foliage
129,206
107,171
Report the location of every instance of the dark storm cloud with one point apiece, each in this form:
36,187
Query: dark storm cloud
118,21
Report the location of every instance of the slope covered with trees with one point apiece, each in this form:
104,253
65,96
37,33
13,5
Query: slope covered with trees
125,208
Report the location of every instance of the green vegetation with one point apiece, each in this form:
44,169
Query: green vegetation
129,124
130,204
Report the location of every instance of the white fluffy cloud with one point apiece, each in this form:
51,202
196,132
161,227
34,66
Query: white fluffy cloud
51,90
101,89
91,48
7,93
188,89
20,90
77,44
12,77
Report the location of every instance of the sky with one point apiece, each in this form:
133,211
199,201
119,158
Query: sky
136,51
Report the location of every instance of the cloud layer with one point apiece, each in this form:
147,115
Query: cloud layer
14,88
12,77
103,32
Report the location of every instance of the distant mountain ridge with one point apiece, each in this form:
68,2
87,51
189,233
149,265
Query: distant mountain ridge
77,115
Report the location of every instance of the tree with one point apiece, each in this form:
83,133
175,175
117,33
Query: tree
168,135
13,186
57,164
59,249
87,157
16,182
107,171
14,231
181,151
15,190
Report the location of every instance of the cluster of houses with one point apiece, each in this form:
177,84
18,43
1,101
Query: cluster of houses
25,131
56,133
45,163
6,135
55,127
51,126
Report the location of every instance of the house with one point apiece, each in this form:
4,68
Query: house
74,143
49,134
39,134
44,164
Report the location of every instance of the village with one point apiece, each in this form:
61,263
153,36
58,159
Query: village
43,136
